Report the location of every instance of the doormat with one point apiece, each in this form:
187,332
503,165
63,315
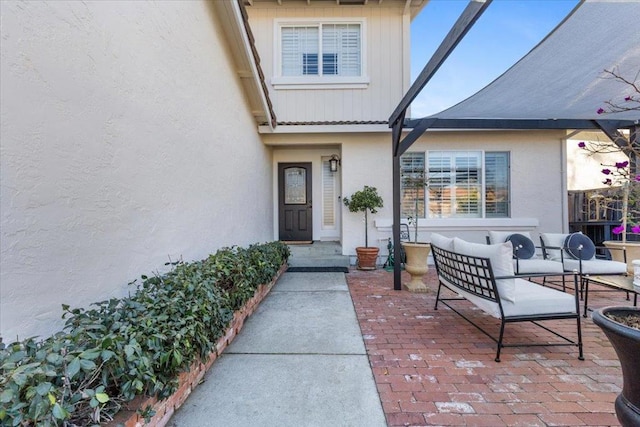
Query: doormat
297,242
318,270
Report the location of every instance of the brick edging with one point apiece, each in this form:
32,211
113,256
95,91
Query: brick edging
188,381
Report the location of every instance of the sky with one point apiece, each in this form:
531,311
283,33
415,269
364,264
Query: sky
505,32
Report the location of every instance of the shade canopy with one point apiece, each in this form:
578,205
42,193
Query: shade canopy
563,78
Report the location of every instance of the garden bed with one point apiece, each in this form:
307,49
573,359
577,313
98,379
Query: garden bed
158,342
131,415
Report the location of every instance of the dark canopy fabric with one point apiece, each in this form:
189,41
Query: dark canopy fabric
563,78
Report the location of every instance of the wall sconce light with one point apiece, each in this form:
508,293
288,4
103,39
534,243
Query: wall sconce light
334,161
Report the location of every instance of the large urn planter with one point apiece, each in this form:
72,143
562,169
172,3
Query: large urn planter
626,342
367,258
416,265
632,250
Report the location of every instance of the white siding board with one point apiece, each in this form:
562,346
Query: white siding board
384,65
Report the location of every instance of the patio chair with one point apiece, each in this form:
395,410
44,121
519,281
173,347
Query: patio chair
527,258
577,252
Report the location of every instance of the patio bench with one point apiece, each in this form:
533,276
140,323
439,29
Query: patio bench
476,273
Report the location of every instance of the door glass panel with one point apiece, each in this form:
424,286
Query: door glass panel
295,186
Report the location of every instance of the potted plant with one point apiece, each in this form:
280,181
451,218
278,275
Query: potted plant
365,200
621,325
620,175
417,252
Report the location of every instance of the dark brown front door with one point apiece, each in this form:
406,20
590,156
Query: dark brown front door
294,201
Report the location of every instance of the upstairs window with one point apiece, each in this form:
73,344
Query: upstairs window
319,53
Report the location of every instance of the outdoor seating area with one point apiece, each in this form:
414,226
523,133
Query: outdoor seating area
484,276
433,368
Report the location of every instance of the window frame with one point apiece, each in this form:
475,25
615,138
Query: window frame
278,81
482,184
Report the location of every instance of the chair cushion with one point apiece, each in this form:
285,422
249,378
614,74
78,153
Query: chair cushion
443,242
556,241
501,257
523,247
595,266
536,265
579,246
502,236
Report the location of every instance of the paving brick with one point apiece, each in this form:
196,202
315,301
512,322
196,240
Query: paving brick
433,368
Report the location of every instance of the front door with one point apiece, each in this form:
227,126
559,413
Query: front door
294,201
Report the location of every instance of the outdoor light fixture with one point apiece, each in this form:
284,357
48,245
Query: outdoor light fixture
334,161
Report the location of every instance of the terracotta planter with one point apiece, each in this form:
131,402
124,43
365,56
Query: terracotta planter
367,258
632,250
416,265
626,343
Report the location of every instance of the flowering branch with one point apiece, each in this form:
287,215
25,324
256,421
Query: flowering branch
620,173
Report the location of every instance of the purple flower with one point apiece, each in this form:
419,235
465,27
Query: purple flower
627,98
600,111
606,171
635,229
607,181
618,230
621,165
582,144
637,178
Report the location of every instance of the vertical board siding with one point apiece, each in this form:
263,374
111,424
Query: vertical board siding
384,65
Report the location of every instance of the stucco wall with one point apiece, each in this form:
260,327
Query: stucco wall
125,141
538,184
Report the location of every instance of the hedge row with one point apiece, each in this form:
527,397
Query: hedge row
120,348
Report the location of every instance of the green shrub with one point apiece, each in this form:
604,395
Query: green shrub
120,348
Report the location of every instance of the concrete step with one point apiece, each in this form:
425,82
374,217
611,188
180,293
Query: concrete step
318,254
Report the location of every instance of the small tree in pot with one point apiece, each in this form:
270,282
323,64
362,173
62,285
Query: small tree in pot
365,200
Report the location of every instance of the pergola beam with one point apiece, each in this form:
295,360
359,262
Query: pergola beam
469,16
464,23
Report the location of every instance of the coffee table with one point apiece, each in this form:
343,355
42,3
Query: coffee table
616,283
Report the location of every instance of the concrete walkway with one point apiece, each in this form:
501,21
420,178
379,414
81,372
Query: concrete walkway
299,360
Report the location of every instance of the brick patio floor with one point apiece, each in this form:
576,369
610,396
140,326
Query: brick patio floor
434,368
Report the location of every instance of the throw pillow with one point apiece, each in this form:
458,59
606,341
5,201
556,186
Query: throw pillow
580,246
523,247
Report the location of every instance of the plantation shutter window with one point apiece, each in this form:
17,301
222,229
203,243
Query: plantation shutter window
300,50
496,184
321,50
461,184
411,166
328,196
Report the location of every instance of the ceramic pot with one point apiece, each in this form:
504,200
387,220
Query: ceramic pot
367,258
626,342
416,265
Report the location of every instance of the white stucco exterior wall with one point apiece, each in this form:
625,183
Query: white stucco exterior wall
125,141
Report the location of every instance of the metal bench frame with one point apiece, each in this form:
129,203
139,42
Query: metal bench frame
475,276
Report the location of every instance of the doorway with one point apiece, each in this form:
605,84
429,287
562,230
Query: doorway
294,202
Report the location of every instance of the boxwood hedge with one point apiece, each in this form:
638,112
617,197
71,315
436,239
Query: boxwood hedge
120,348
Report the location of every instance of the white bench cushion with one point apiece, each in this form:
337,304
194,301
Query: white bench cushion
531,299
501,257
534,299
596,266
